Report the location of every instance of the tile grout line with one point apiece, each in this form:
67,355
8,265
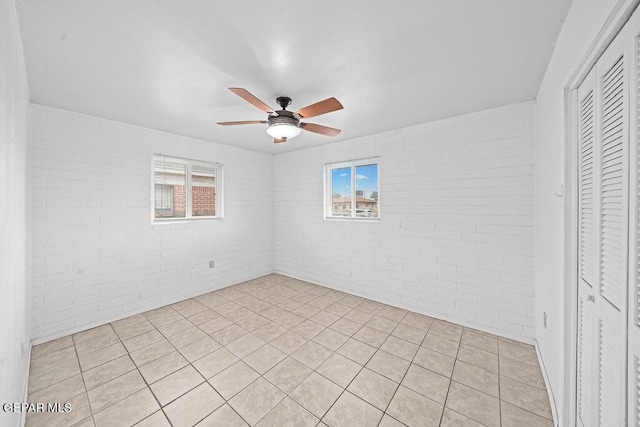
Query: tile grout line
162,407
478,367
499,389
315,370
287,395
137,368
282,289
344,390
148,386
363,366
451,379
384,412
409,367
260,376
86,392
335,352
128,354
82,371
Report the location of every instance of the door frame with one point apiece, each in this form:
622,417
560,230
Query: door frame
620,14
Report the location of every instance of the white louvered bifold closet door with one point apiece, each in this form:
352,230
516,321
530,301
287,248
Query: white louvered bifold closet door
603,239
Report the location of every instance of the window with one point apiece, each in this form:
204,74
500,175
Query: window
164,197
186,189
352,189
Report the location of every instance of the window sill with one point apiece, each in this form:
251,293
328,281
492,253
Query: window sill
341,218
156,221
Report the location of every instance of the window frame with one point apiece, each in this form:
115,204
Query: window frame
189,163
328,188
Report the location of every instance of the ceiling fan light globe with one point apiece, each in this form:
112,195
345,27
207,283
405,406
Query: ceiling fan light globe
283,130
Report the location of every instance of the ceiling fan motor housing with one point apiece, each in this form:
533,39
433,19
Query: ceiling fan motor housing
284,118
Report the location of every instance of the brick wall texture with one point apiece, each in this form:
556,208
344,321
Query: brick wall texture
203,200
97,256
455,239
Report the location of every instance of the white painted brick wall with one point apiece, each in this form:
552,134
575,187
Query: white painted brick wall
455,239
97,256
456,235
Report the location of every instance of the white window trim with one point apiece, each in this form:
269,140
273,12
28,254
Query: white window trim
189,163
328,187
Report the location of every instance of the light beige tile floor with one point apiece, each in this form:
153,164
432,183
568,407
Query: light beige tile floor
276,351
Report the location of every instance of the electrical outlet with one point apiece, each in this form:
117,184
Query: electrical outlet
544,319
211,263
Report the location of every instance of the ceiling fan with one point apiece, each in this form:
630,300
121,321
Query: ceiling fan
284,124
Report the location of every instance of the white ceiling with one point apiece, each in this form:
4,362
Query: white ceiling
166,64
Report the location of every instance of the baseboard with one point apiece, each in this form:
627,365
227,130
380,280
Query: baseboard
552,402
435,316
75,330
547,383
438,316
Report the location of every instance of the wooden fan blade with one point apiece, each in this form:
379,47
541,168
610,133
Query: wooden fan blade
243,122
244,94
322,107
323,130
278,140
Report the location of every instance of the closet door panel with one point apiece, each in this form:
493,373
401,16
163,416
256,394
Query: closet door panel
586,196
611,174
586,364
613,206
588,249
